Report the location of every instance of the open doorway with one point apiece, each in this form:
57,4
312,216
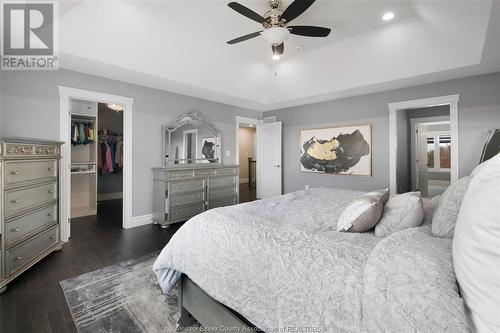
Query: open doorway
408,170
96,160
247,161
424,150
78,187
110,162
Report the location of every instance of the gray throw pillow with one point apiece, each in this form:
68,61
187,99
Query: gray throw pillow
430,206
401,212
363,213
445,216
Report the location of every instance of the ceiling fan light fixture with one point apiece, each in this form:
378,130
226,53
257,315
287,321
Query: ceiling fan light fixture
276,35
276,57
388,16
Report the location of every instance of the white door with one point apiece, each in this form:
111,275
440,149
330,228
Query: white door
422,168
269,160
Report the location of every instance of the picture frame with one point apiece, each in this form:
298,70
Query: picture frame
339,150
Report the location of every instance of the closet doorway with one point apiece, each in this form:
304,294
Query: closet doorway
97,160
110,161
90,173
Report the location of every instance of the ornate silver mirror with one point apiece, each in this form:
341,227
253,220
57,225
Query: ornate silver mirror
190,139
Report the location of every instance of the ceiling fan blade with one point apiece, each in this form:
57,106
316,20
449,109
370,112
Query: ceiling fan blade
246,12
295,9
244,38
278,49
309,31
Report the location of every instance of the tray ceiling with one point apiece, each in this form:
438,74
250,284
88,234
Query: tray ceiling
181,46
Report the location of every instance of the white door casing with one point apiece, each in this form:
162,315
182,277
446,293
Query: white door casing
65,96
452,101
269,165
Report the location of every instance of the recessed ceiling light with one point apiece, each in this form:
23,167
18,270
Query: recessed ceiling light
388,16
276,57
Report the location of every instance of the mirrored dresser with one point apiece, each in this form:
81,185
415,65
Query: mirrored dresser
29,219
192,179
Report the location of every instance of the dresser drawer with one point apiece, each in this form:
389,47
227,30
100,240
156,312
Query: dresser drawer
17,201
219,193
22,255
18,229
17,172
222,182
185,212
187,186
222,202
182,199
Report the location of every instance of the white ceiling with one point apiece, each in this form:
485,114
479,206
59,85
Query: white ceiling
181,46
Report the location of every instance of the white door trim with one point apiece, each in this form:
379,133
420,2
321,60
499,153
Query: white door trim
65,96
452,101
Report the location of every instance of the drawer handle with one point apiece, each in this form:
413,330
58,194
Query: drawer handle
177,186
18,258
198,196
16,201
15,173
50,168
15,230
50,214
52,237
51,191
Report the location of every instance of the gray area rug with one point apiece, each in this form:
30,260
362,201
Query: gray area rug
121,298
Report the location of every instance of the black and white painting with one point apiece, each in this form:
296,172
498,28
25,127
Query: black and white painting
337,150
208,146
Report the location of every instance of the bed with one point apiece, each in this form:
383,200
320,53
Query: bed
280,263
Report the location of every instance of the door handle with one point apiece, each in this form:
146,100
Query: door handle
278,166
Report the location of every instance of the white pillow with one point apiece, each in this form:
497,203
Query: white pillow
403,211
476,247
363,213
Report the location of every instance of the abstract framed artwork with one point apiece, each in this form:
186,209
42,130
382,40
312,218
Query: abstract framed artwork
345,150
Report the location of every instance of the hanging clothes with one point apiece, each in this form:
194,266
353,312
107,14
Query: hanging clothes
110,155
82,132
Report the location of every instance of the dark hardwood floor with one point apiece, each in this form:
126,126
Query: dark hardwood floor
247,193
34,302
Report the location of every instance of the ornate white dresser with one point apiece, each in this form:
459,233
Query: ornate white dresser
29,221
180,193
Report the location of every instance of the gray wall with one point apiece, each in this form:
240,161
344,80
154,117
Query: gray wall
479,111
30,108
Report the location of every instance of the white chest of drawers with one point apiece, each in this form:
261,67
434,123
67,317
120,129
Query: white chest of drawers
181,193
29,219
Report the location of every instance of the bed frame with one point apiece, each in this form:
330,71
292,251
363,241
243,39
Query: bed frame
195,305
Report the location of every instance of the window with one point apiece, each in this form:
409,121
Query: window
445,152
439,151
430,153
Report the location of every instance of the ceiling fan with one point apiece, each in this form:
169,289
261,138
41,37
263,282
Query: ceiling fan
275,23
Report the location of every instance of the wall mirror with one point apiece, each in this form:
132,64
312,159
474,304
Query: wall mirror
191,139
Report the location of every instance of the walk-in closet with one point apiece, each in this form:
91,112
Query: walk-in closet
96,158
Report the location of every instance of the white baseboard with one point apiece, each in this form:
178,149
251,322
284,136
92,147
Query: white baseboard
243,180
109,196
138,221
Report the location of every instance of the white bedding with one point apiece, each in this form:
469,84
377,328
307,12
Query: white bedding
278,262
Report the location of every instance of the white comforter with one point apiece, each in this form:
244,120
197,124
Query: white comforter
278,262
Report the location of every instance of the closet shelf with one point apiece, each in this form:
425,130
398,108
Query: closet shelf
83,163
88,172
83,116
